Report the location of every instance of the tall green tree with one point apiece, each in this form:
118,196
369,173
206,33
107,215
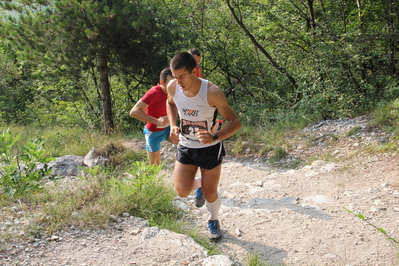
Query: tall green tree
15,87
109,36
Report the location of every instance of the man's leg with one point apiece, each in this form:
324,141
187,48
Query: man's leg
154,157
210,182
196,183
182,179
184,175
153,144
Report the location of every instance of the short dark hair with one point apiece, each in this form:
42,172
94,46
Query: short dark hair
165,73
183,60
194,51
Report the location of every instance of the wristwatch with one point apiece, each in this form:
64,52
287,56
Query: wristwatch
214,136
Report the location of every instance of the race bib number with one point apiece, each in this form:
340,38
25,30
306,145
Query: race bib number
190,128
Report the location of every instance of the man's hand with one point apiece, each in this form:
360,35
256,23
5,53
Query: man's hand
174,134
204,137
163,121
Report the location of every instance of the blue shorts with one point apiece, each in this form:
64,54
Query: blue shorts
153,139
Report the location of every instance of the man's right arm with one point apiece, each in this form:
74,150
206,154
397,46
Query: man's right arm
138,112
172,111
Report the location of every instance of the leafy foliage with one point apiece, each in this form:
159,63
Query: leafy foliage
15,89
319,59
387,113
100,194
109,37
21,174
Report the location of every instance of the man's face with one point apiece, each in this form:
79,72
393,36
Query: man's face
184,78
197,59
165,84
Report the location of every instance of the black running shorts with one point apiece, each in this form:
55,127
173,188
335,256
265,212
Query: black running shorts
207,158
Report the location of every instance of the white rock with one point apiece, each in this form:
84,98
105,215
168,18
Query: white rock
237,232
218,260
318,164
311,173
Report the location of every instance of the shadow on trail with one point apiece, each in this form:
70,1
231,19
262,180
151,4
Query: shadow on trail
274,256
272,204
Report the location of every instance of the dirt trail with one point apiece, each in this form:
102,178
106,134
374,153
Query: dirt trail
287,217
296,217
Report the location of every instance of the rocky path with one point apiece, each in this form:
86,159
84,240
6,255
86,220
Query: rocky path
287,217
296,217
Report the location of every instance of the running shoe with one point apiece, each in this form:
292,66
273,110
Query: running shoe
199,198
214,230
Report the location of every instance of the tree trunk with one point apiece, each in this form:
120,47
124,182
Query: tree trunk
311,15
106,95
393,43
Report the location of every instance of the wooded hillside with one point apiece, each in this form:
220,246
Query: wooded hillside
86,63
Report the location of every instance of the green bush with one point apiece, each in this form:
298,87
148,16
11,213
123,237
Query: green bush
279,153
101,192
387,114
20,173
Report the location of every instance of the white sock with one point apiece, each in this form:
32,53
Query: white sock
196,183
213,208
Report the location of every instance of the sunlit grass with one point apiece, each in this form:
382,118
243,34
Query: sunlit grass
126,185
387,115
273,142
62,141
262,140
253,259
90,200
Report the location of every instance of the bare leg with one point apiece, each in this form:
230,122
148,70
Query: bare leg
184,175
154,157
210,182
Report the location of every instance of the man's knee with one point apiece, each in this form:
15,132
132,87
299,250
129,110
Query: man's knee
154,157
182,191
210,196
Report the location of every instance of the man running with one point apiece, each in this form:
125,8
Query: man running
196,101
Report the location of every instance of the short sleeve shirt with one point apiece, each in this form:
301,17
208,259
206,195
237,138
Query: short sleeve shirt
156,100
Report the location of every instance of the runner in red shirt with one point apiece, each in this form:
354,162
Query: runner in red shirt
151,108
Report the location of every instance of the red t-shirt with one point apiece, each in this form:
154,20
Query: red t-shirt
156,100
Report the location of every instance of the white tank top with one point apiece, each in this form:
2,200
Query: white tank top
195,113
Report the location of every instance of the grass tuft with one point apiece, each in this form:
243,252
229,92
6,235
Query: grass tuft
253,259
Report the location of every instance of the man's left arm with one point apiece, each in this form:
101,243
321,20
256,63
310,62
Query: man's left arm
217,99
